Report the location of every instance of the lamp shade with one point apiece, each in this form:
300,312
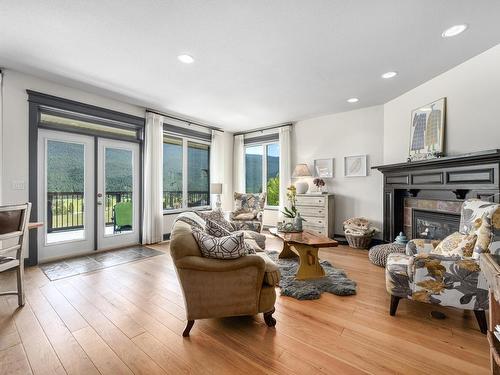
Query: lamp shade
301,170
216,188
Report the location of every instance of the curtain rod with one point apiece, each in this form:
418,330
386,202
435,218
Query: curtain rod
184,120
265,128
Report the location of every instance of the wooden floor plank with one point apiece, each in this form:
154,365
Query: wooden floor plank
41,355
128,352
106,361
13,361
72,318
69,352
8,332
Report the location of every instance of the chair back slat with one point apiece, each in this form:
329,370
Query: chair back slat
14,224
9,249
8,236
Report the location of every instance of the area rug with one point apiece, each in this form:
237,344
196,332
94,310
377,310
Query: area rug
98,261
335,281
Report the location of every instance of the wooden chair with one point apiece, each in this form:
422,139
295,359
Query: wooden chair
13,230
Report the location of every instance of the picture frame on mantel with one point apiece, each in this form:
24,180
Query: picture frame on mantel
427,131
355,166
323,168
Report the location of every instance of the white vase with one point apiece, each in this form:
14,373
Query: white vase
301,187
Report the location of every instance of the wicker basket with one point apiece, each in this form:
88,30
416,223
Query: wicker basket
359,242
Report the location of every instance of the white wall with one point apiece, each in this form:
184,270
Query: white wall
472,90
343,134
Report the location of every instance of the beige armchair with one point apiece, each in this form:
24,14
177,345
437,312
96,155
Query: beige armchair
216,288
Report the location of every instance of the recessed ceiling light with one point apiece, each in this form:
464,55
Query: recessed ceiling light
389,75
352,100
186,59
454,30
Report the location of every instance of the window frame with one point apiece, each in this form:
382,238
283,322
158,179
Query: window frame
264,167
185,174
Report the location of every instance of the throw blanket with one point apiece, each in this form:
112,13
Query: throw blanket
191,218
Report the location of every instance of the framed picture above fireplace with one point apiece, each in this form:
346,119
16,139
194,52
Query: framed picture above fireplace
427,130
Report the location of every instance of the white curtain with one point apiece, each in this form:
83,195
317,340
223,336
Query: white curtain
217,161
239,164
285,163
152,224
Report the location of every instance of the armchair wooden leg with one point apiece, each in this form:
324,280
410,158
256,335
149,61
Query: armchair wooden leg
268,318
20,285
189,325
394,305
481,320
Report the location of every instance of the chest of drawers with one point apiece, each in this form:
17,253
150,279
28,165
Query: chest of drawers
318,210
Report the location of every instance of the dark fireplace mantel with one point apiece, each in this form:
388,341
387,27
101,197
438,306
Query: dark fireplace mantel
474,175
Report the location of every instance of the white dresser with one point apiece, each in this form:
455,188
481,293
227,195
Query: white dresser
317,209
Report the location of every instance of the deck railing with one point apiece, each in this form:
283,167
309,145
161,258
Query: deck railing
65,210
173,199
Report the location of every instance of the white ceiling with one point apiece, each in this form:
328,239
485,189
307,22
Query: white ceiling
258,62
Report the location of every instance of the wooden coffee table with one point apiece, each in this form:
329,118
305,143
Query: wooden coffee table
305,245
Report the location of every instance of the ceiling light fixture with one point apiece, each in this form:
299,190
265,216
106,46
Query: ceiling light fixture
186,59
352,100
454,31
389,75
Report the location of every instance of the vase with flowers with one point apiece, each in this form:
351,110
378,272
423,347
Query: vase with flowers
293,220
319,183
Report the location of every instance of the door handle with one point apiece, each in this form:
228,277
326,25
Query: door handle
99,203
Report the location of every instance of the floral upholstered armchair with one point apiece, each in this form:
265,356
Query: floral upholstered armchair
447,273
247,214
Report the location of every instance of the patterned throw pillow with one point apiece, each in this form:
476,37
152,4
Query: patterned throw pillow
228,247
214,229
484,235
217,216
456,244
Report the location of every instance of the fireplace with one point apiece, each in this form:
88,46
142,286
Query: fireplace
433,225
426,196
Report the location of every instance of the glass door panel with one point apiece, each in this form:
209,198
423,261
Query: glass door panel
65,194
118,192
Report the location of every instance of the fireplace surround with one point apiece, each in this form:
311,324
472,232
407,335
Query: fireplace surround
438,187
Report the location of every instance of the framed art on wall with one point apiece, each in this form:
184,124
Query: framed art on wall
323,168
427,130
355,166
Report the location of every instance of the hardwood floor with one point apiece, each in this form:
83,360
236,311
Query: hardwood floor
129,319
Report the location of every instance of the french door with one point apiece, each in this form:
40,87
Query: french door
88,194
117,195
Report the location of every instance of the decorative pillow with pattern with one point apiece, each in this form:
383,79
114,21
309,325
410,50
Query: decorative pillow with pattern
214,229
227,247
456,244
484,235
217,216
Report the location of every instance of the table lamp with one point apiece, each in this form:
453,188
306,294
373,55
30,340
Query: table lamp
216,188
301,170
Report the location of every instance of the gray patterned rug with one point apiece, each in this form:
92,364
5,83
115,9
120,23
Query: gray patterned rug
89,263
335,281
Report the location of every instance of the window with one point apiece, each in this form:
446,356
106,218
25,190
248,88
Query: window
262,171
186,173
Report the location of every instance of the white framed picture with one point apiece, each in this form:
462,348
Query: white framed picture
323,168
427,130
355,166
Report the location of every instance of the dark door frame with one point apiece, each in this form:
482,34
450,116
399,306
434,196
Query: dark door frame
37,103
